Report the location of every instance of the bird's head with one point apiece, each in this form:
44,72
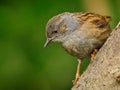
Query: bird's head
60,27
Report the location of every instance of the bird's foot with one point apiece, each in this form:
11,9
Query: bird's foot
76,80
94,54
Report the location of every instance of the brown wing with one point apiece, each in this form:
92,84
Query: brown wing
94,25
96,19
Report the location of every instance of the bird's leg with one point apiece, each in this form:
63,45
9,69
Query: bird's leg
94,54
77,73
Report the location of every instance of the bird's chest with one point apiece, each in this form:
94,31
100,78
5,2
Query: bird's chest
77,47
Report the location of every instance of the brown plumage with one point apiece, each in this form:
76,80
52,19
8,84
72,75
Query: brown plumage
79,33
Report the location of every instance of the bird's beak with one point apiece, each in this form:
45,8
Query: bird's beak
47,42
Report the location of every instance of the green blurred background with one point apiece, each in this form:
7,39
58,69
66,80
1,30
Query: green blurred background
24,63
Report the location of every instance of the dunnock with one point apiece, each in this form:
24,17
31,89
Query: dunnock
79,33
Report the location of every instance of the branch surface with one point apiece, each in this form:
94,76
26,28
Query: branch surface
104,72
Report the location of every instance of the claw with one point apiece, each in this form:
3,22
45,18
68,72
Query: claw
94,54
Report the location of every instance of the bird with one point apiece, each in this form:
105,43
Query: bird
79,33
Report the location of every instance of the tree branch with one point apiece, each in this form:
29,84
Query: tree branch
104,72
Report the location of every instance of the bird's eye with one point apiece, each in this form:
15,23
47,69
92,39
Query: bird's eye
54,32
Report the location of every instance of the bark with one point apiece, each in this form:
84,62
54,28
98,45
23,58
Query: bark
104,72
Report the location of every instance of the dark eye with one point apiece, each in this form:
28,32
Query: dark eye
54,32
